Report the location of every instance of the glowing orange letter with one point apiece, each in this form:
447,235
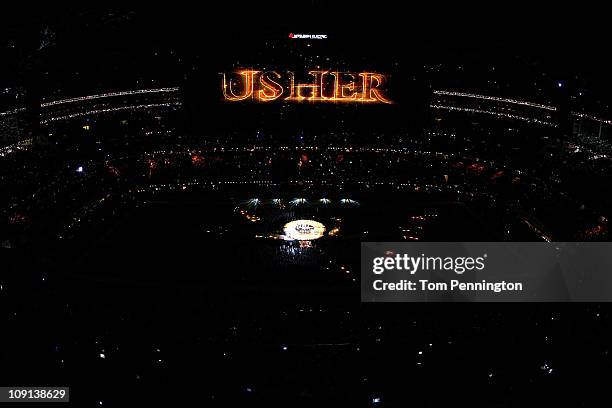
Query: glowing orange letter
340,88
270,89
370,91
247,86
316,93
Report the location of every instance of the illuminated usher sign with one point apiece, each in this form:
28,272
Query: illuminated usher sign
303,230
326,86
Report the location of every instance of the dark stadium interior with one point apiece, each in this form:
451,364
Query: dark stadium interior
143,256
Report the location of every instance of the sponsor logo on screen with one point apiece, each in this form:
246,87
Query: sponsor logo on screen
294,36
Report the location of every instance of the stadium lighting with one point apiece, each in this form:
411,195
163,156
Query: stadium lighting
303,230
